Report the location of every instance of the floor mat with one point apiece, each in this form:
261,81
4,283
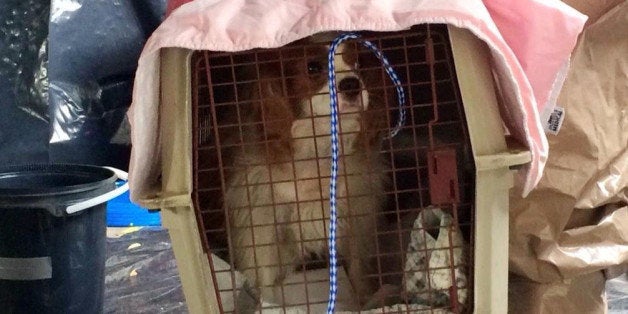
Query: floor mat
142,275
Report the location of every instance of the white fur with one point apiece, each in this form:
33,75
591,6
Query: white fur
279,213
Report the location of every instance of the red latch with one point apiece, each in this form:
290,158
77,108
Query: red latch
443,174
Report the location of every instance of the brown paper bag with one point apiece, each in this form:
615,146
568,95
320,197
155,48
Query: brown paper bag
575,224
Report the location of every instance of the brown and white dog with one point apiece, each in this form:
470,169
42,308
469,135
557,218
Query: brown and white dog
277,192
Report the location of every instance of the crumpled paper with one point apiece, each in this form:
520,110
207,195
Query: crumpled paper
569,231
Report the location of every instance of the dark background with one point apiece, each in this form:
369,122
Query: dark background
92,51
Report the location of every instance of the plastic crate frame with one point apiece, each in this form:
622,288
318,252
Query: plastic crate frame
493,160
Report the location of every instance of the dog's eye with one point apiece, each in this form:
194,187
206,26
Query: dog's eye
314,67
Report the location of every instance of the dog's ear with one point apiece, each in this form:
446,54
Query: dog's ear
374,119
274,111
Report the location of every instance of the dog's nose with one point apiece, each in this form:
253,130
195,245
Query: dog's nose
349,86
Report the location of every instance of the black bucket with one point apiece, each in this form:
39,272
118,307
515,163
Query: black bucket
52,237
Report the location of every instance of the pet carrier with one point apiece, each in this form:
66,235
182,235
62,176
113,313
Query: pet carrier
440,237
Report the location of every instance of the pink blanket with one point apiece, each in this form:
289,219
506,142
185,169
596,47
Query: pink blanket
530,42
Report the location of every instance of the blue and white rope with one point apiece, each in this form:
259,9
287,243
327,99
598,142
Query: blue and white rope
333,103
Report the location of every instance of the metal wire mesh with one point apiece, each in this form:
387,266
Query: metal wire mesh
254,111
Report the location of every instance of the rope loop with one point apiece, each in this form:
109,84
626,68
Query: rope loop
333,104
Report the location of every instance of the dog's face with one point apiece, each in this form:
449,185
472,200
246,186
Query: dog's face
292,93
307,79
